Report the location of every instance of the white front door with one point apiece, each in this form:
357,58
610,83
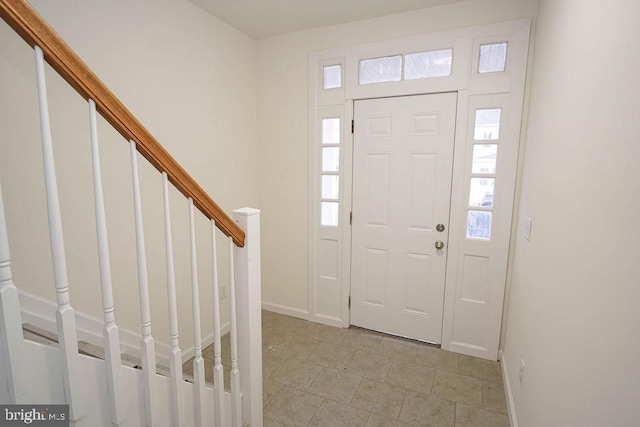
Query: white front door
402,166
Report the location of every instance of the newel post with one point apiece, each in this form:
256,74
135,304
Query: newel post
249,309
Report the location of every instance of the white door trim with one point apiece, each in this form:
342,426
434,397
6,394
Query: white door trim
328,299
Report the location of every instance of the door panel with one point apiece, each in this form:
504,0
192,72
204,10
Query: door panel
403,157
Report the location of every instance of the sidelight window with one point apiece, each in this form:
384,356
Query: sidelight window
330,177
483,173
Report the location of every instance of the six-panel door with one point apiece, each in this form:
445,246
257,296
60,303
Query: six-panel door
402,165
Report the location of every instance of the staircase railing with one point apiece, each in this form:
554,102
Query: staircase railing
243,405
36,32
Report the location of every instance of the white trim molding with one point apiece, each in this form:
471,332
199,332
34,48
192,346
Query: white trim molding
511,408
287,311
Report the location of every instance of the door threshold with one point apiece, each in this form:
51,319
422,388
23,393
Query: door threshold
391,335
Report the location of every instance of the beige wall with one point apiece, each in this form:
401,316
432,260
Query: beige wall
191,80
574,301
283,123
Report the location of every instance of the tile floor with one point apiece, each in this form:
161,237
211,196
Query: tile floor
317,375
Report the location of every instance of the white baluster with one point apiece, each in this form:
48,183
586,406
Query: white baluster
249,301
65,316
11,341
175,360
110,334
218,370
236,398
198,361
147,345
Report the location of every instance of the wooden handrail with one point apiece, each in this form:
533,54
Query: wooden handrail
36,32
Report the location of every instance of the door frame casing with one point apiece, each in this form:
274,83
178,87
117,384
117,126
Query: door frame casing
328,300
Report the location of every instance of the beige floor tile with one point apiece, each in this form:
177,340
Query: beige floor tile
296,373
299,346
337,355
379,398
468,416
378,421
333,414
335,385
208,374
292,407
493,398
435,357
369,365
332,356
429,411
291,326
266,422
207,353
273,340
329,334
271,361
411,376
269,389
361,339
479,368
225,352
271,319
457,388
187,367
272,327
397,348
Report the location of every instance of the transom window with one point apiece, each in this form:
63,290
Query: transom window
410,66
493,58
332,77
422,65
380,70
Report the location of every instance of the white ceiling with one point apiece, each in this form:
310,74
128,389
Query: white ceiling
264,18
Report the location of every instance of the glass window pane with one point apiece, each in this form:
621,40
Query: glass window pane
330,159
487,124
379,70
481,192
493,58
332,77
330,187
479,225
484,158
329,215
435,63
331,131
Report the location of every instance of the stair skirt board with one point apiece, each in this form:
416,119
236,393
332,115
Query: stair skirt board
41,313
46,386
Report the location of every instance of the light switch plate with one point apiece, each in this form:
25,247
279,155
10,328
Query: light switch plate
527,228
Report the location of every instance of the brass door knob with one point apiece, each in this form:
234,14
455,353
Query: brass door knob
439,245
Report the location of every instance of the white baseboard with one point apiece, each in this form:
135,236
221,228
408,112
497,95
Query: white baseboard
511,408
288,311
206,342
41,312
